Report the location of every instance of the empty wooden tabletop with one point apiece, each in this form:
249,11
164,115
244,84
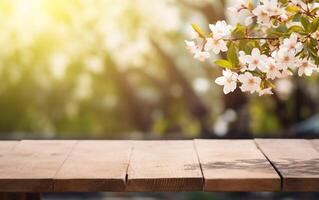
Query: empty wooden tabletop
156,166
297,161
315,143
237,164
94,166
164,166
30,166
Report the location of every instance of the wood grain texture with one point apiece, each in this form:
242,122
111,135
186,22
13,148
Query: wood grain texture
296,160
164,166
95,166
315,143
235,165
31,165
7,146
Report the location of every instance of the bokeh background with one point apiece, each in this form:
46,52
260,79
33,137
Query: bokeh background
118,69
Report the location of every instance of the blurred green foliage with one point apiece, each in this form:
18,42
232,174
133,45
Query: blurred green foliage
119,69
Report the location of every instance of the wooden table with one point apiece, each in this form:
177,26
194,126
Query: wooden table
31,167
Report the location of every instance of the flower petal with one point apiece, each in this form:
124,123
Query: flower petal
220,80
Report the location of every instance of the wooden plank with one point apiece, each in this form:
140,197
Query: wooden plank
31,166
315,143
296,160
164,166
95,166
7,146
235,165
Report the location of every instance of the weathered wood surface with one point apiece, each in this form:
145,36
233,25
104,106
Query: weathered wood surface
235,165
164,166
7,146
145,166
95,166
31,165
296,160
315,143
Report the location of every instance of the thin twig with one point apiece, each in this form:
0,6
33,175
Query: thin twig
252,38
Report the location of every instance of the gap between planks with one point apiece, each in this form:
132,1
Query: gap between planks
272,164
30,166
235,165
67,156
126,179
95,166
167,165
296,160
315,144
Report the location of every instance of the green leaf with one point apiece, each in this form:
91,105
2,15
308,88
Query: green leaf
200,32
314,24
247,46
224,64
295,29
279,31
305,23
232,54
239,31
292,9
282,28
296,17
276,33
283,1
313,11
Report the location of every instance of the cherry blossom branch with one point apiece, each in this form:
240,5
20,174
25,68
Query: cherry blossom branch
252,38
274,53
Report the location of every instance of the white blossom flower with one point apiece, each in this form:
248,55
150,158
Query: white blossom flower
228,80
285,73
249,82
272,7
315,35
242,57
201,55
271,69
249,20
300,4
263,16
191,46
242,61
193,34
285,58
255,70
255,60
216,45
292,43
220,29
306,67
239,6
283,17
266,91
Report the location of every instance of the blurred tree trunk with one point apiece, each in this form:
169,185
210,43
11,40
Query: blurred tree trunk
166,99
134,105
296,109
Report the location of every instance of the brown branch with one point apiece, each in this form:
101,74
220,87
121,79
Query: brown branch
252,38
